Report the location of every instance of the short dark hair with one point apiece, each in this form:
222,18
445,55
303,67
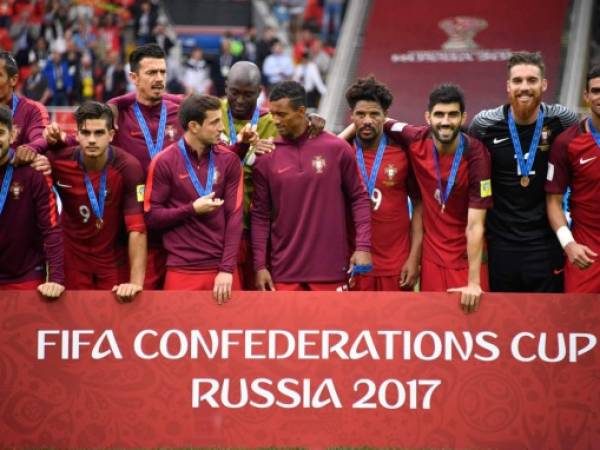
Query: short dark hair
594,72
291,90
194,108
446,93
9,63
529,58
6,116
145,51
90,110
371,90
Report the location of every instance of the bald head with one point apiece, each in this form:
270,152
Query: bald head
243,89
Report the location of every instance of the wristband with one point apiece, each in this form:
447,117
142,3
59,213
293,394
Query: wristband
361,269
565,237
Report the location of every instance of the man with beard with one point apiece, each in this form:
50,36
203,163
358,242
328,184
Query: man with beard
396,239
303,190
524,254
453,173
574,161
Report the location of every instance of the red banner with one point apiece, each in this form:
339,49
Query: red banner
414,45
299,370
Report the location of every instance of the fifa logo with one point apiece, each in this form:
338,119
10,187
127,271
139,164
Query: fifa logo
461,31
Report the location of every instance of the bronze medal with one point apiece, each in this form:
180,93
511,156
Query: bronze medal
99,224
524,181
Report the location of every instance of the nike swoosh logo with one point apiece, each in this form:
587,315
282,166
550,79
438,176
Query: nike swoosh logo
66,186
558,271
585,161
285,169
497,141
183,176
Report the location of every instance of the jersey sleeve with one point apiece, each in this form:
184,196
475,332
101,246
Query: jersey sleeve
400,132
133,195
158,189
480,184
123,101
260,212
412,187
558,177
233,202
355,191
37,121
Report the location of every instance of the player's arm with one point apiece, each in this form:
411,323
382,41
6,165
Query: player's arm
138,249
410,271
233,201
49,226
260,215
158,190
360,206
34,142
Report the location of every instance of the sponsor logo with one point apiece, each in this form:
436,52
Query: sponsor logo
587,160
497,140
558,271
319,164
459,47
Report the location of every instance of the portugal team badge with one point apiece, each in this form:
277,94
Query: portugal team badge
170,132
319,164
545,139
16,189
390,172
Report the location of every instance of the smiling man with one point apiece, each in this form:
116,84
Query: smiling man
575,162
524,254
100,187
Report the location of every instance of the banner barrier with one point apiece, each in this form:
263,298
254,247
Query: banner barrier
314,370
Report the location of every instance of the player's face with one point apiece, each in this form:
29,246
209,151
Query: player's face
6,138
94,137
210,131
7,84
445,120
151,78
242,98
525,86
368,118
289,121
592,96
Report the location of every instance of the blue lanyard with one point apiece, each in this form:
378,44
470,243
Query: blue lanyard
444,195
525,166
8,173
97,203
232,133
370,180
202,191
15,104
153,148
594,132
361,269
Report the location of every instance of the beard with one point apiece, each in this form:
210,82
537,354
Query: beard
525,110
436,133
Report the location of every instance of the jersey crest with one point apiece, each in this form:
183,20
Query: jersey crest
319,164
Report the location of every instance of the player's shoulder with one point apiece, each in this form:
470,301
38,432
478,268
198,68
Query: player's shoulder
488,118
30,106
565,138
63,154
328,139
224,153
27,175
560,112
123,159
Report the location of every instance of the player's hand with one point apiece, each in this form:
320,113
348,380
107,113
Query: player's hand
24,155
51,291
207,203
470,296
409,274
248,134
53,134
125,292
348,133
360,258
264,282
580,255
264,146
222,287
316,125
42,164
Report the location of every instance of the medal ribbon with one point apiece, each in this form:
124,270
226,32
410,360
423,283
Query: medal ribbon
97,203
453,170
370,180
153,148
594,132
15,104
366,268
202,191
232,133
525,166
8,174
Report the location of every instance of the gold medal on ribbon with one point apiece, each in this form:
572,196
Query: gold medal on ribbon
524,181
99,224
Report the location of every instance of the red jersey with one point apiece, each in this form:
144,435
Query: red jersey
575,161
444,240
99,247
302,192
390,222
31,240
29,121
196,242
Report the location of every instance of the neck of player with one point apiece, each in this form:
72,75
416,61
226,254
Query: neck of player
525,117
4,159
371,144
146,101
7,100
96,163
296,133
197,146
446,147
595,121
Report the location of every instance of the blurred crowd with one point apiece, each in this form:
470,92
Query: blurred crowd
69,51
